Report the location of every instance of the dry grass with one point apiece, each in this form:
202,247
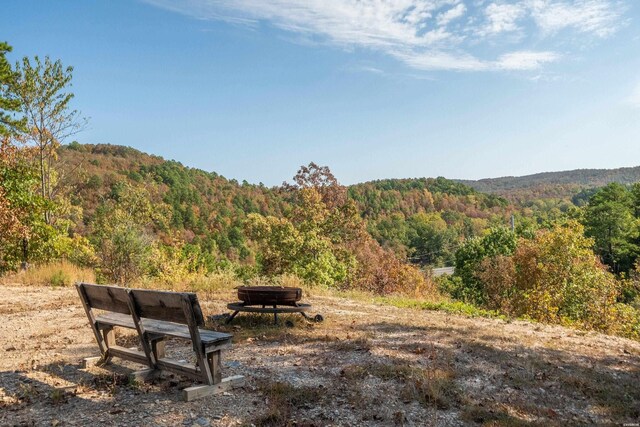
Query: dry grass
62,273
361,343
282,400
432,386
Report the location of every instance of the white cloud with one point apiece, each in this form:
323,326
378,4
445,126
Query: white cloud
502,18
525,60
438,60
454,13
599,17
420,32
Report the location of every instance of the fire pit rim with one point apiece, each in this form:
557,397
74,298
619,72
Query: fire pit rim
269,295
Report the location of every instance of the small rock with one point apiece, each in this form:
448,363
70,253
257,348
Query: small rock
203,422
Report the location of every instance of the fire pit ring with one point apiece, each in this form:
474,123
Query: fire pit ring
271,299
269,295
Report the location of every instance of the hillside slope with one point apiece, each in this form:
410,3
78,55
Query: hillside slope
207,210
565,180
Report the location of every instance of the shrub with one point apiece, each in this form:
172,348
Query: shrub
498,241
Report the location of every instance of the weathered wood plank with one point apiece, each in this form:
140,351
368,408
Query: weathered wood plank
144,339
158,347
109,341
161,305
128,354
182,368
91,361
109,298
215,362
198,348
107,320
159,327
92,319
192,393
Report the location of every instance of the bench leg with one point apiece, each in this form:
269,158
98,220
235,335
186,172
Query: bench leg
109,341
215,362
202,362
158,347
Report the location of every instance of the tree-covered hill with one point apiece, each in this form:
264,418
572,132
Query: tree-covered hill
553,184
421,219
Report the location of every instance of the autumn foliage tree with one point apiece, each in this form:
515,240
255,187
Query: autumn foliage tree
554,277
323,240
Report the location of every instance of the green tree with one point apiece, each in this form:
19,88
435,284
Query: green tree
40,88
323,240
24,236
498,241
279,242
609,219
121,234
433,242
9,104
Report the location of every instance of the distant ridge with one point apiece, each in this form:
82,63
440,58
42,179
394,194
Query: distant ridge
578,179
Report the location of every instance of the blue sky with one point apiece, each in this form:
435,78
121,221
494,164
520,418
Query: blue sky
375,89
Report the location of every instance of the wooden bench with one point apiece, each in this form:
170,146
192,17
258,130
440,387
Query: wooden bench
156,316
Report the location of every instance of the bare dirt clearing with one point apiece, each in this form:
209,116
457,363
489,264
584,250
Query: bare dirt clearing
365,365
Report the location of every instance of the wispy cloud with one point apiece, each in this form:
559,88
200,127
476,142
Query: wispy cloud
502,18
425,34
599,17
525,60
451,14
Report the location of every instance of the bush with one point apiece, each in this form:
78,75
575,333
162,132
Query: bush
498,241
59,278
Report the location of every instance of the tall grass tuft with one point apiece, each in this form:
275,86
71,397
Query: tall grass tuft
56,274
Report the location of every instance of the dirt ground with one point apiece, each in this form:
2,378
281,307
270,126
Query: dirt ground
364,365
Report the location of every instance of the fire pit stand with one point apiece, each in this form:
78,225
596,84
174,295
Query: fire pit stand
271,299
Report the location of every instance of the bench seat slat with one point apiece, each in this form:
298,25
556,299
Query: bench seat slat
162,328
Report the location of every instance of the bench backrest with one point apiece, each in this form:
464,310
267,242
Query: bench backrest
179,307
109,298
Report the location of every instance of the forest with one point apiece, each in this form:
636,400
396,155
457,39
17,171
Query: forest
559,252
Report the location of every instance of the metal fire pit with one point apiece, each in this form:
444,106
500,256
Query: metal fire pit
271,299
